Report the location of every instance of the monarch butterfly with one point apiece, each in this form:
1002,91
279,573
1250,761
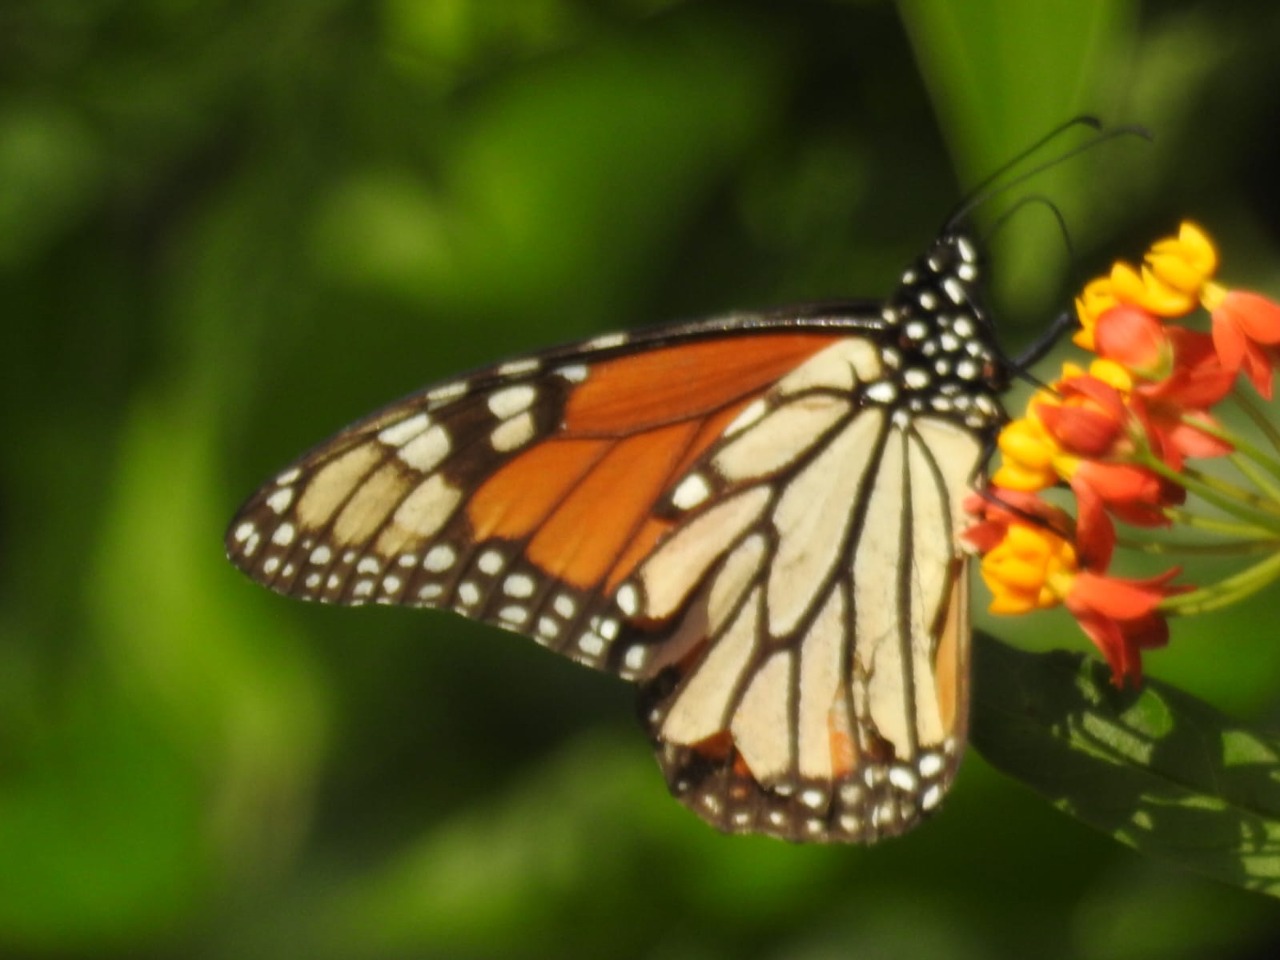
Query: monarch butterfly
753,517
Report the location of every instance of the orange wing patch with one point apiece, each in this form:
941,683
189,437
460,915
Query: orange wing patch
524,492
585,500
581,541
678,383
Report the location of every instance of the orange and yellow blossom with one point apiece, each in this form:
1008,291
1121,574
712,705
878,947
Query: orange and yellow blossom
1176,276
1118,435
1030,565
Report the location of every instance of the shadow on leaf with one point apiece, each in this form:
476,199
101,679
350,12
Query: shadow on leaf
1155,768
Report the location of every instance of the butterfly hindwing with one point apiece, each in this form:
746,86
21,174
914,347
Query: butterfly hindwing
790,687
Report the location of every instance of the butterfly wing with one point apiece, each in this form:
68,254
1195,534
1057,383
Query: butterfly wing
521,495
820,685
754,518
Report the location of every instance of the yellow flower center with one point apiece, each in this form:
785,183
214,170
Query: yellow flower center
1032,568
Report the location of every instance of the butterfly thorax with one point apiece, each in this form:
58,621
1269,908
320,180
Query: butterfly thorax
945,354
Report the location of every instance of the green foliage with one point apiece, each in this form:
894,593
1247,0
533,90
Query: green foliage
1155,768
226,228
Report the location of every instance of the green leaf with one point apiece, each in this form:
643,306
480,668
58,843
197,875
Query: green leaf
1001,75
1155,768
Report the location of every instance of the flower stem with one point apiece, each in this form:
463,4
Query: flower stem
1258,416
1244,447
1257,476
1226,528
1226,591
1228,548
1231,499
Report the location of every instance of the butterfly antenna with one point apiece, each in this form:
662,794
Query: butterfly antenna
1084,120
1027,201
991,186
1062,324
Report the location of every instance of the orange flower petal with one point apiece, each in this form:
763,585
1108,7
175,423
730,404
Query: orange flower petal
1257,317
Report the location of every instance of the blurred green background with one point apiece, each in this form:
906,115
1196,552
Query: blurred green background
228,228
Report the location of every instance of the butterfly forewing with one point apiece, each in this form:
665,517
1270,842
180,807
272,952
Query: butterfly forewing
754,518
520,496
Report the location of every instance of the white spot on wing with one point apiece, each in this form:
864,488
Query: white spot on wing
280,499
608,341
690,492
916,378
518,585
574,373
507,403
903,779
513,368
513,614
449,391
513,434
439,558
400,433
883,392
426,451
628,599
929,765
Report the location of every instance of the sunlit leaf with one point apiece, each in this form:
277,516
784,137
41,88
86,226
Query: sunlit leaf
1155,768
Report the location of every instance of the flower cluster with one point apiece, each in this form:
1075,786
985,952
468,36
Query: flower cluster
1119,434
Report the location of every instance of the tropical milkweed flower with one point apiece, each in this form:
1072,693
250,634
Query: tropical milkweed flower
1031,565
1123,435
